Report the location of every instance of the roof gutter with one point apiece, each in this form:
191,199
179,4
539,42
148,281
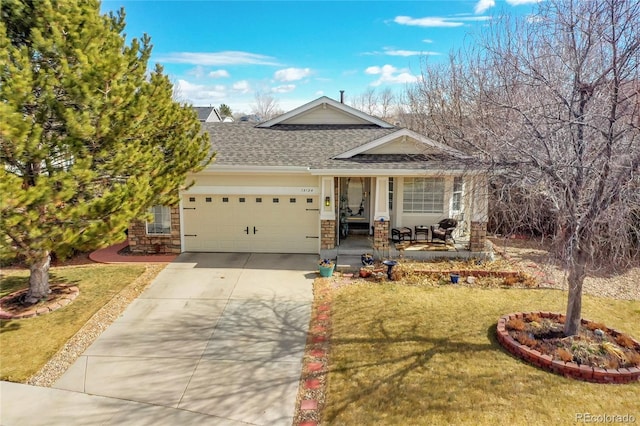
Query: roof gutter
394,172
229,169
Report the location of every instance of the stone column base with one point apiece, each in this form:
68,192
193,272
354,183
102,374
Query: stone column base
327,234
381,235
478,237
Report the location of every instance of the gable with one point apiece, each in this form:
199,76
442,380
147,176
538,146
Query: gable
403,141
325,111
324,114
401,145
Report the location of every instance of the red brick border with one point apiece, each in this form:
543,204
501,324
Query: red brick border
42,308
470,272
567,369
315,366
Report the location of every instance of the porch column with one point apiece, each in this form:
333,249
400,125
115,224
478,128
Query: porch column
381,205
327,214
479,213
381,214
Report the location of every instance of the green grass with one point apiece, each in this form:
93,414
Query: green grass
404,355
27,344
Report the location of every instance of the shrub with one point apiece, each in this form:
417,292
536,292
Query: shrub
633,358
516,324
595,325
625,341
510,281
564,355
534,317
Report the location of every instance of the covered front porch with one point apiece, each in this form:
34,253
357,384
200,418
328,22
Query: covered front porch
364,214
349,251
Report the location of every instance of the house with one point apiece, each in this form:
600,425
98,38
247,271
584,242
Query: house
305,180
208,114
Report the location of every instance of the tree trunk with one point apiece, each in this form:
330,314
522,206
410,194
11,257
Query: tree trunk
39,279
577,273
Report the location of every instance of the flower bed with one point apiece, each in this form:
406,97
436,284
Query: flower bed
596,354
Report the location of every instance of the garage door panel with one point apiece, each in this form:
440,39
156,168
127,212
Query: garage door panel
284,224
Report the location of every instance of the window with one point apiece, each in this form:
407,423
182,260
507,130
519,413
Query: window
276,200
292,200
456,198
309,200
225,199
242,199
423,195
258,200
207,199
161,224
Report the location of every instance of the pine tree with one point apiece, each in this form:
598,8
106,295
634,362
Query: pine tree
89,139
225,110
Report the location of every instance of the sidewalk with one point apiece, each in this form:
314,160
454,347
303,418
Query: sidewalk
59,407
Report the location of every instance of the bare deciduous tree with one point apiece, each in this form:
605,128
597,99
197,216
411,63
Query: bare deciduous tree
552,102
266,106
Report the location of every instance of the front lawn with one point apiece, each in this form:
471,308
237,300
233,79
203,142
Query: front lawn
27,344
407,355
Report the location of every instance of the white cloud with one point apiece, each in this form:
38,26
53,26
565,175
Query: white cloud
390,75
484,5
217,58
292,74
438,21
241,86
285,88
427,40
430,21
197,72
199,94
400,52
218,74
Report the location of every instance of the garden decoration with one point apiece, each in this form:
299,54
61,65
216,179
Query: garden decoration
326,267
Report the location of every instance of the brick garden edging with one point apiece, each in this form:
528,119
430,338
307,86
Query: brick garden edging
315,365
567,369
70,293
469,273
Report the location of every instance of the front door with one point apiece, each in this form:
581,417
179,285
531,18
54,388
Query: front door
355,203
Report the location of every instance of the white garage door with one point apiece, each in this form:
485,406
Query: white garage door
251,223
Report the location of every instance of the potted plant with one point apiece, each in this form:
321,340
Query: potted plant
326,267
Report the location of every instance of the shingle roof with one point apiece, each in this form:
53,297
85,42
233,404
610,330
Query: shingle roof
204,112
312,146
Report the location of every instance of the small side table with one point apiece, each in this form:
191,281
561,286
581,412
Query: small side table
420,229
400,234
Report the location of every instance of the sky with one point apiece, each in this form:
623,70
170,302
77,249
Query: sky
219,52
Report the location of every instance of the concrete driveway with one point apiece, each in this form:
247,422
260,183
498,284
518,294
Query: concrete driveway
219,336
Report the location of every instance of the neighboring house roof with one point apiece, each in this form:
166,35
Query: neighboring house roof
208,114
328,136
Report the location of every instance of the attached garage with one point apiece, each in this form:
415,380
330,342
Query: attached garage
251,223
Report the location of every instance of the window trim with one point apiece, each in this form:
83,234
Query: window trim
165,217
459,193
436,199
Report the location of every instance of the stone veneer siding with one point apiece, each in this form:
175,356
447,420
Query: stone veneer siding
140,242
327,234
381,235
478,237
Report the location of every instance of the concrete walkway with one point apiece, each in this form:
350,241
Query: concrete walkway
216,339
